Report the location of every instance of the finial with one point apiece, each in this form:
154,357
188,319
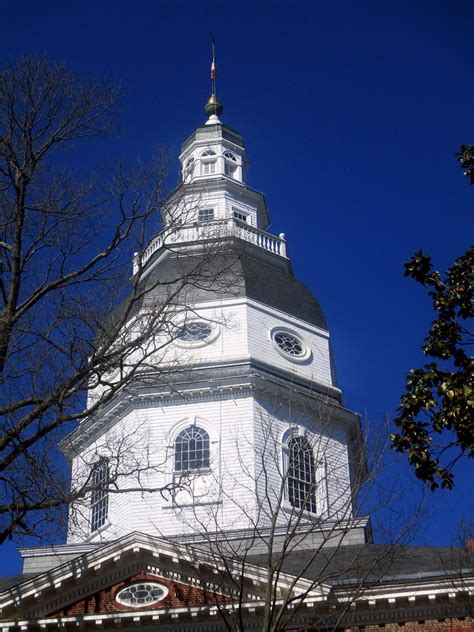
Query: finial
213,107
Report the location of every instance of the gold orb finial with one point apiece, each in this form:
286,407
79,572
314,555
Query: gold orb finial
213,106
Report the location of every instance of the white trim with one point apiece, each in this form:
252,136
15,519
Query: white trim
154,584
321,487
184,344
191,420
306,354
240,388
265,309
99,530
156,615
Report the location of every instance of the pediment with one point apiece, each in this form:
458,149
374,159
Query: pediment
175,595
91,585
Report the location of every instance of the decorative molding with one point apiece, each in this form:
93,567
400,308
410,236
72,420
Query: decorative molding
257,377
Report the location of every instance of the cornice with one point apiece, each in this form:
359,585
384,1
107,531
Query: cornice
205,383
98,570
208,618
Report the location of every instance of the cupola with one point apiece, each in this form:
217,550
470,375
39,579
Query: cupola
214,150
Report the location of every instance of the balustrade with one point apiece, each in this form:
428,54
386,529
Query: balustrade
205,231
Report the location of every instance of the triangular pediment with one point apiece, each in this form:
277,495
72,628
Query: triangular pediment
178,581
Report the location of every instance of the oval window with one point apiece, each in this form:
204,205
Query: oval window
290,345
141,594
194,332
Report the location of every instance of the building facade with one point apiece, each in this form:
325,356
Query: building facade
223,481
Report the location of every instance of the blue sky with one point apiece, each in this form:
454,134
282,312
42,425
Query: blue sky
351,113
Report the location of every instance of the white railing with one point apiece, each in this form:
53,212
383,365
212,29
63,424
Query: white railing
205,231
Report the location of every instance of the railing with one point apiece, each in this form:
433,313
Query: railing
205,231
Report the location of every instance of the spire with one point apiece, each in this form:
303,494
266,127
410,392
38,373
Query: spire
213,107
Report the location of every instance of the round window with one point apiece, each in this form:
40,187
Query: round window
196,333
290,345
142,594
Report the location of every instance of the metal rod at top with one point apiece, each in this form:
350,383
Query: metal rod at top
213,66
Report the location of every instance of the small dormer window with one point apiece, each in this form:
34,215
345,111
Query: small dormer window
241,216
208,162
230,164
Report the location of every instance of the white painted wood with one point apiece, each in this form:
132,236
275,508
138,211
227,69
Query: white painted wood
248,426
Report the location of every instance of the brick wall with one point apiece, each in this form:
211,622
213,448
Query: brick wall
103,602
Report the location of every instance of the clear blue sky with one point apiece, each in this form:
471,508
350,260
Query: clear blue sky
351,113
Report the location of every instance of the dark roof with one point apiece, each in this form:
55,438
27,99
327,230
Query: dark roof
236,272
14,580
363,564
373,563
218,130
280,289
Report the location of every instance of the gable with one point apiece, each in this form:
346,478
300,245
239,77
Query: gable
184,582
95,590
107,600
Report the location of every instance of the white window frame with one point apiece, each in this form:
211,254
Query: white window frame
231,164
205,459
206,215
309,488
145,583
208,162
242,216
99,495
304,357
199,487
188,344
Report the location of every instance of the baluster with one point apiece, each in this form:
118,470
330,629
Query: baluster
135,262
282,245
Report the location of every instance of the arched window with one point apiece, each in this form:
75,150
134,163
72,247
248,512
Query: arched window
188,169
301,474
208,162
100,494
230,164
191,449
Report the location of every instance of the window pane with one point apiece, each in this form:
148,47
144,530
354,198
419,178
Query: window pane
191,449
141,594
99,494
208,167
289,343
195,332
301,475
206,214
243,217
230,169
